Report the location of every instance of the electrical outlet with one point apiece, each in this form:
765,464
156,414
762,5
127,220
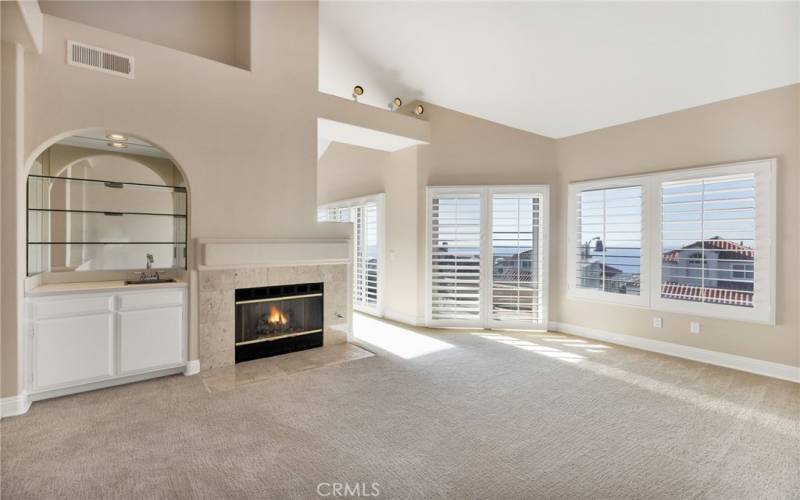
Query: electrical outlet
658,322
694,327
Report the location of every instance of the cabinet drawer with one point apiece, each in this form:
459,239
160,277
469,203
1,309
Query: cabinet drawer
68,351
56,308
161,298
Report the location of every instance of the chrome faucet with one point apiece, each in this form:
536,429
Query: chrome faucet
149,274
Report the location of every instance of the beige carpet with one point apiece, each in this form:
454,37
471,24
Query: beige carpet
449,415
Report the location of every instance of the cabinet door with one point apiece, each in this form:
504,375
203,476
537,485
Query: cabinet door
150,338
68,351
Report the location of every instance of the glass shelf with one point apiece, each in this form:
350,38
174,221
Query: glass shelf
112,184
58,194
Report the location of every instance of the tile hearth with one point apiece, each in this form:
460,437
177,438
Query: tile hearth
260,370
216,312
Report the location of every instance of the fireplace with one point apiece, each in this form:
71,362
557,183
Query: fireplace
275,320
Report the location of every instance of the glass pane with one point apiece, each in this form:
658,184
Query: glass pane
516,256
103,256
91,227
708,230
609,242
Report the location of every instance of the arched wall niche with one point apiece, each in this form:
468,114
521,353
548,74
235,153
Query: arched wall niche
86,221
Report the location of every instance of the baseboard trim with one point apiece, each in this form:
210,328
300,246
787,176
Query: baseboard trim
15,405
192,367
733,361
407,319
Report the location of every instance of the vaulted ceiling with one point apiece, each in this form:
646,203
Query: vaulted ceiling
558,69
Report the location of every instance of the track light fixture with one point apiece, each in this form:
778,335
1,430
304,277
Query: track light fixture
357,91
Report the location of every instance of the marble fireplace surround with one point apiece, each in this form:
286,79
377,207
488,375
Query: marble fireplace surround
226,265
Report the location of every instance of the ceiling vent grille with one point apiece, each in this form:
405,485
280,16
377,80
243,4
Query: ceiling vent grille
97,59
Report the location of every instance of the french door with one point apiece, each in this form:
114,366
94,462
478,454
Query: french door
487,264
366,214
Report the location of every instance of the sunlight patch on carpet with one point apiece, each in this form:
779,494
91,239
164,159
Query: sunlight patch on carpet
395,339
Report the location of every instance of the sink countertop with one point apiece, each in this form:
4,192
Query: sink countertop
96,286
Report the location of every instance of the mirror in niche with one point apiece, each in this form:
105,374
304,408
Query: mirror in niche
104,202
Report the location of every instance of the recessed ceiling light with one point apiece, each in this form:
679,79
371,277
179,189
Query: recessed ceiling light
419,110
117,137
117,145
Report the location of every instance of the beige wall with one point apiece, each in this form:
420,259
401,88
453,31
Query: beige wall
209,29
346,171
248,152
762,125
12,122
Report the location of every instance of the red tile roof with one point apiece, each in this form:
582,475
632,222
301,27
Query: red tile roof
710,295
715,243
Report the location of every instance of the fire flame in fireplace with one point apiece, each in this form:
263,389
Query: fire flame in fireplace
276,317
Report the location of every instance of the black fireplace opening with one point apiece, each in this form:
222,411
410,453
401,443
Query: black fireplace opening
274,320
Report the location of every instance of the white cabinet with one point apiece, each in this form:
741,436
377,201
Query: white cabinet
150,338
78,341
73,350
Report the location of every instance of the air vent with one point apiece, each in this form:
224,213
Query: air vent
97,59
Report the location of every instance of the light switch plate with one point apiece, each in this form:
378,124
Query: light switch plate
658,322
694,327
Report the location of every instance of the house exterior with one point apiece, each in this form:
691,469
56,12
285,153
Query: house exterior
715,270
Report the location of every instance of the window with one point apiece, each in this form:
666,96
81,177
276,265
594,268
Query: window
706,232
366,216
708,239
610,239
742,272
486,266
606,228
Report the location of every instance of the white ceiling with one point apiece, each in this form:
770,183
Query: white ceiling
558,69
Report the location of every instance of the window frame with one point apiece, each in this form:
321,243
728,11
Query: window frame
764,264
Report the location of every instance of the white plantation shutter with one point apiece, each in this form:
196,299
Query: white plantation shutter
517,277
359,257
455,257
370,261
708,236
